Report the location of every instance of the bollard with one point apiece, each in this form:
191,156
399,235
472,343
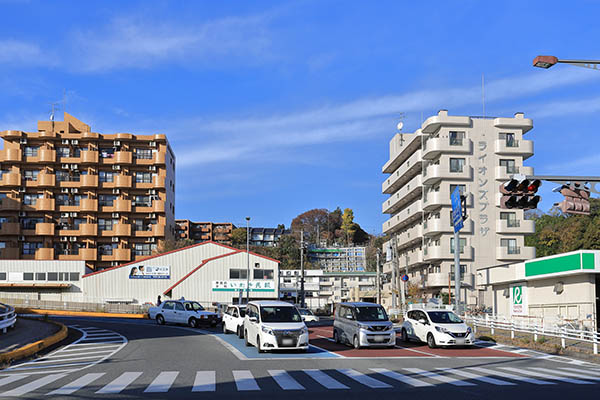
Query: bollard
512,329
563,333
595,343
535,333
492,327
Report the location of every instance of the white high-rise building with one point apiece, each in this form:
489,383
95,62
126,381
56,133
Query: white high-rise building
477,154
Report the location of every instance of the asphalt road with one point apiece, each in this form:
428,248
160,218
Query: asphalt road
130,359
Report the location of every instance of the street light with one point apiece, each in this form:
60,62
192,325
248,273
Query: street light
548,61
248,258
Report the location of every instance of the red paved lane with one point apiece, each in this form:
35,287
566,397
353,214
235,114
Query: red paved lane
321,337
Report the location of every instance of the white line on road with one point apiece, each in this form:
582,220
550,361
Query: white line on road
402,378
24,389
441,378
587,371
324,379
162,383
11,379
364,379
77,384
469,375
511,376
205,381
284,380
547,376
571,374
244,380
120,383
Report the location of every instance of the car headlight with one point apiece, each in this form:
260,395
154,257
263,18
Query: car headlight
361,326
266,330
304,331
440,329
469,330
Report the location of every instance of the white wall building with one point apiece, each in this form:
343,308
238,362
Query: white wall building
475,154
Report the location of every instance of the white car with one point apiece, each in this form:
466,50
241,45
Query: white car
183,312
436,327
307,315
233,320
274,325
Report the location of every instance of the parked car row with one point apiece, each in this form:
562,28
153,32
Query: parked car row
183,312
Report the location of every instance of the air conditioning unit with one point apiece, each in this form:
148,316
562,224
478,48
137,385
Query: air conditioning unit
115,215
152,168
65,141
64,190
133,204
74,214
152,144
154,197
117,143
22,190
74,166
116,191
115,239
22,214
65,166
74,190
64,215
151,240
74,141
152,191
117,167
22,238
23,141
114,263
152,215
64,239
73,239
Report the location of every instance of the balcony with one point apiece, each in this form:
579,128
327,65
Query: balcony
504,253
442,145
10,179
10,155
435,173
89,205
515,226
158,158
505,173
402,146
44,254
46,180
413,259
404,218
122,181
123,157
443,252
47,133
10,228
411,236
47,156
88,254
44,229
89,157
514,148
158,206
70,255
10,204
10,253
443,279
89,181
89,135
403,174
143,185
406,194
44,205
158,181
88,229
118,230
122,205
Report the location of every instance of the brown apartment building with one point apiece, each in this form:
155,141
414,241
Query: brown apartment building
67,193
203,231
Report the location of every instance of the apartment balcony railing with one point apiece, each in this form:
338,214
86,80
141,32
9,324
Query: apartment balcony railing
515,226
44,229
445,145
11,155
403,218
89,181
404,195
435,173
10,179
89,157
117,230
404,173
10,204
44,253
10,228
514,253
443,252
407,145
117,255
514,147
504,173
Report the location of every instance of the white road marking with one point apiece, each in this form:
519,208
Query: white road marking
31,386
469,375
511,376
162,383
205,381
120,383
364,379
77,384
244,380
324,379
547,376
441,378
402,378
571,374
284,380
11,379
587,371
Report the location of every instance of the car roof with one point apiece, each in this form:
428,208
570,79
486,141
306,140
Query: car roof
271,303
360,304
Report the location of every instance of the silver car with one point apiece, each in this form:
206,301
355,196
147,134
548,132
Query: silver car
363,325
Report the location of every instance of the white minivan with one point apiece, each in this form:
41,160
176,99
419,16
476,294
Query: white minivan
274,325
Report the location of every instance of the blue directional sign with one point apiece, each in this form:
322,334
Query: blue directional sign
457,220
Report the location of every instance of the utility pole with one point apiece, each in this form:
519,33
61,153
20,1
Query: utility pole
378,279
302,268
248,259
394,274
456,271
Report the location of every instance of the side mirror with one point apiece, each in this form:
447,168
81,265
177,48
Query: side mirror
253,319
423,321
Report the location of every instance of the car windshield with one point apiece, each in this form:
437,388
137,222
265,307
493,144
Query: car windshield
242,311
304,311
444,317
371,313
193,306
279,314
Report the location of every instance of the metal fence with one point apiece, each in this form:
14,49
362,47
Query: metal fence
8,317
564,332
81,306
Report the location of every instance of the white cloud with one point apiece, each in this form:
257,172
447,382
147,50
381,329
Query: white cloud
20,52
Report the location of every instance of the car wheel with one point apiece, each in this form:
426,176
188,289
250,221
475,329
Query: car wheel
225,331
336,337
258,346
160,319
405,338
193,323
356,342
246,339
431,341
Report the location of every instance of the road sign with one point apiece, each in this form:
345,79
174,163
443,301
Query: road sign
457,215
404,278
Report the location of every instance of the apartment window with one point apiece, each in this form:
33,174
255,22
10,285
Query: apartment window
40,276
142,249
29,248
62,176
107,249
76,152
462,244
511,219
238,274
78,221
457,164
27,276
31,198
461,188
62,199
456,138
105,176
143,154
76,199
138,225
143,201
511,168
73,276
106,199
63,152
511,246
31,151
2,276
106,224
52,276
143,177
31,175
30,223
509,138
263,274
463,270
107,153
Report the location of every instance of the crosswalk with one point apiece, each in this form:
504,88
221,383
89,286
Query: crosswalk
107,383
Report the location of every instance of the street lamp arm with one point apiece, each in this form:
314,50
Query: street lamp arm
591,64
548,61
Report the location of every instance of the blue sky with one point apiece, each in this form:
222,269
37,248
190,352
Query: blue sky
275,108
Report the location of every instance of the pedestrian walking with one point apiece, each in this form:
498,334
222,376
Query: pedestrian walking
158,301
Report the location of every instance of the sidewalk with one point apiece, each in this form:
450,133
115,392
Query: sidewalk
26,331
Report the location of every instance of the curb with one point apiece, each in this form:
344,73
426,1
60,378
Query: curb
80,313
32,348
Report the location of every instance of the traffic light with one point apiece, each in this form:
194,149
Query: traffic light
577,199
520,194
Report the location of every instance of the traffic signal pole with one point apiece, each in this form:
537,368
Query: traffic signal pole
456,271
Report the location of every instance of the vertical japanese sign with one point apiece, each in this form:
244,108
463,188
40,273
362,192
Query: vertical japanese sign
483,196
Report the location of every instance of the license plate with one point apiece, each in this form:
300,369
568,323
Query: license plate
287,342
379,338
460,341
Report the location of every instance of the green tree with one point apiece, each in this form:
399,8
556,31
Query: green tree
238,238
165,246
348,225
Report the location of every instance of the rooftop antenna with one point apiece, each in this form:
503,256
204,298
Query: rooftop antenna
400,126
53,110
483,92
64,100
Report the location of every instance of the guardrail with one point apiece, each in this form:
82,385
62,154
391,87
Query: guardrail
8,317
565,333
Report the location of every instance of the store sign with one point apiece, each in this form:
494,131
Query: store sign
232,286
518,300
150,272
